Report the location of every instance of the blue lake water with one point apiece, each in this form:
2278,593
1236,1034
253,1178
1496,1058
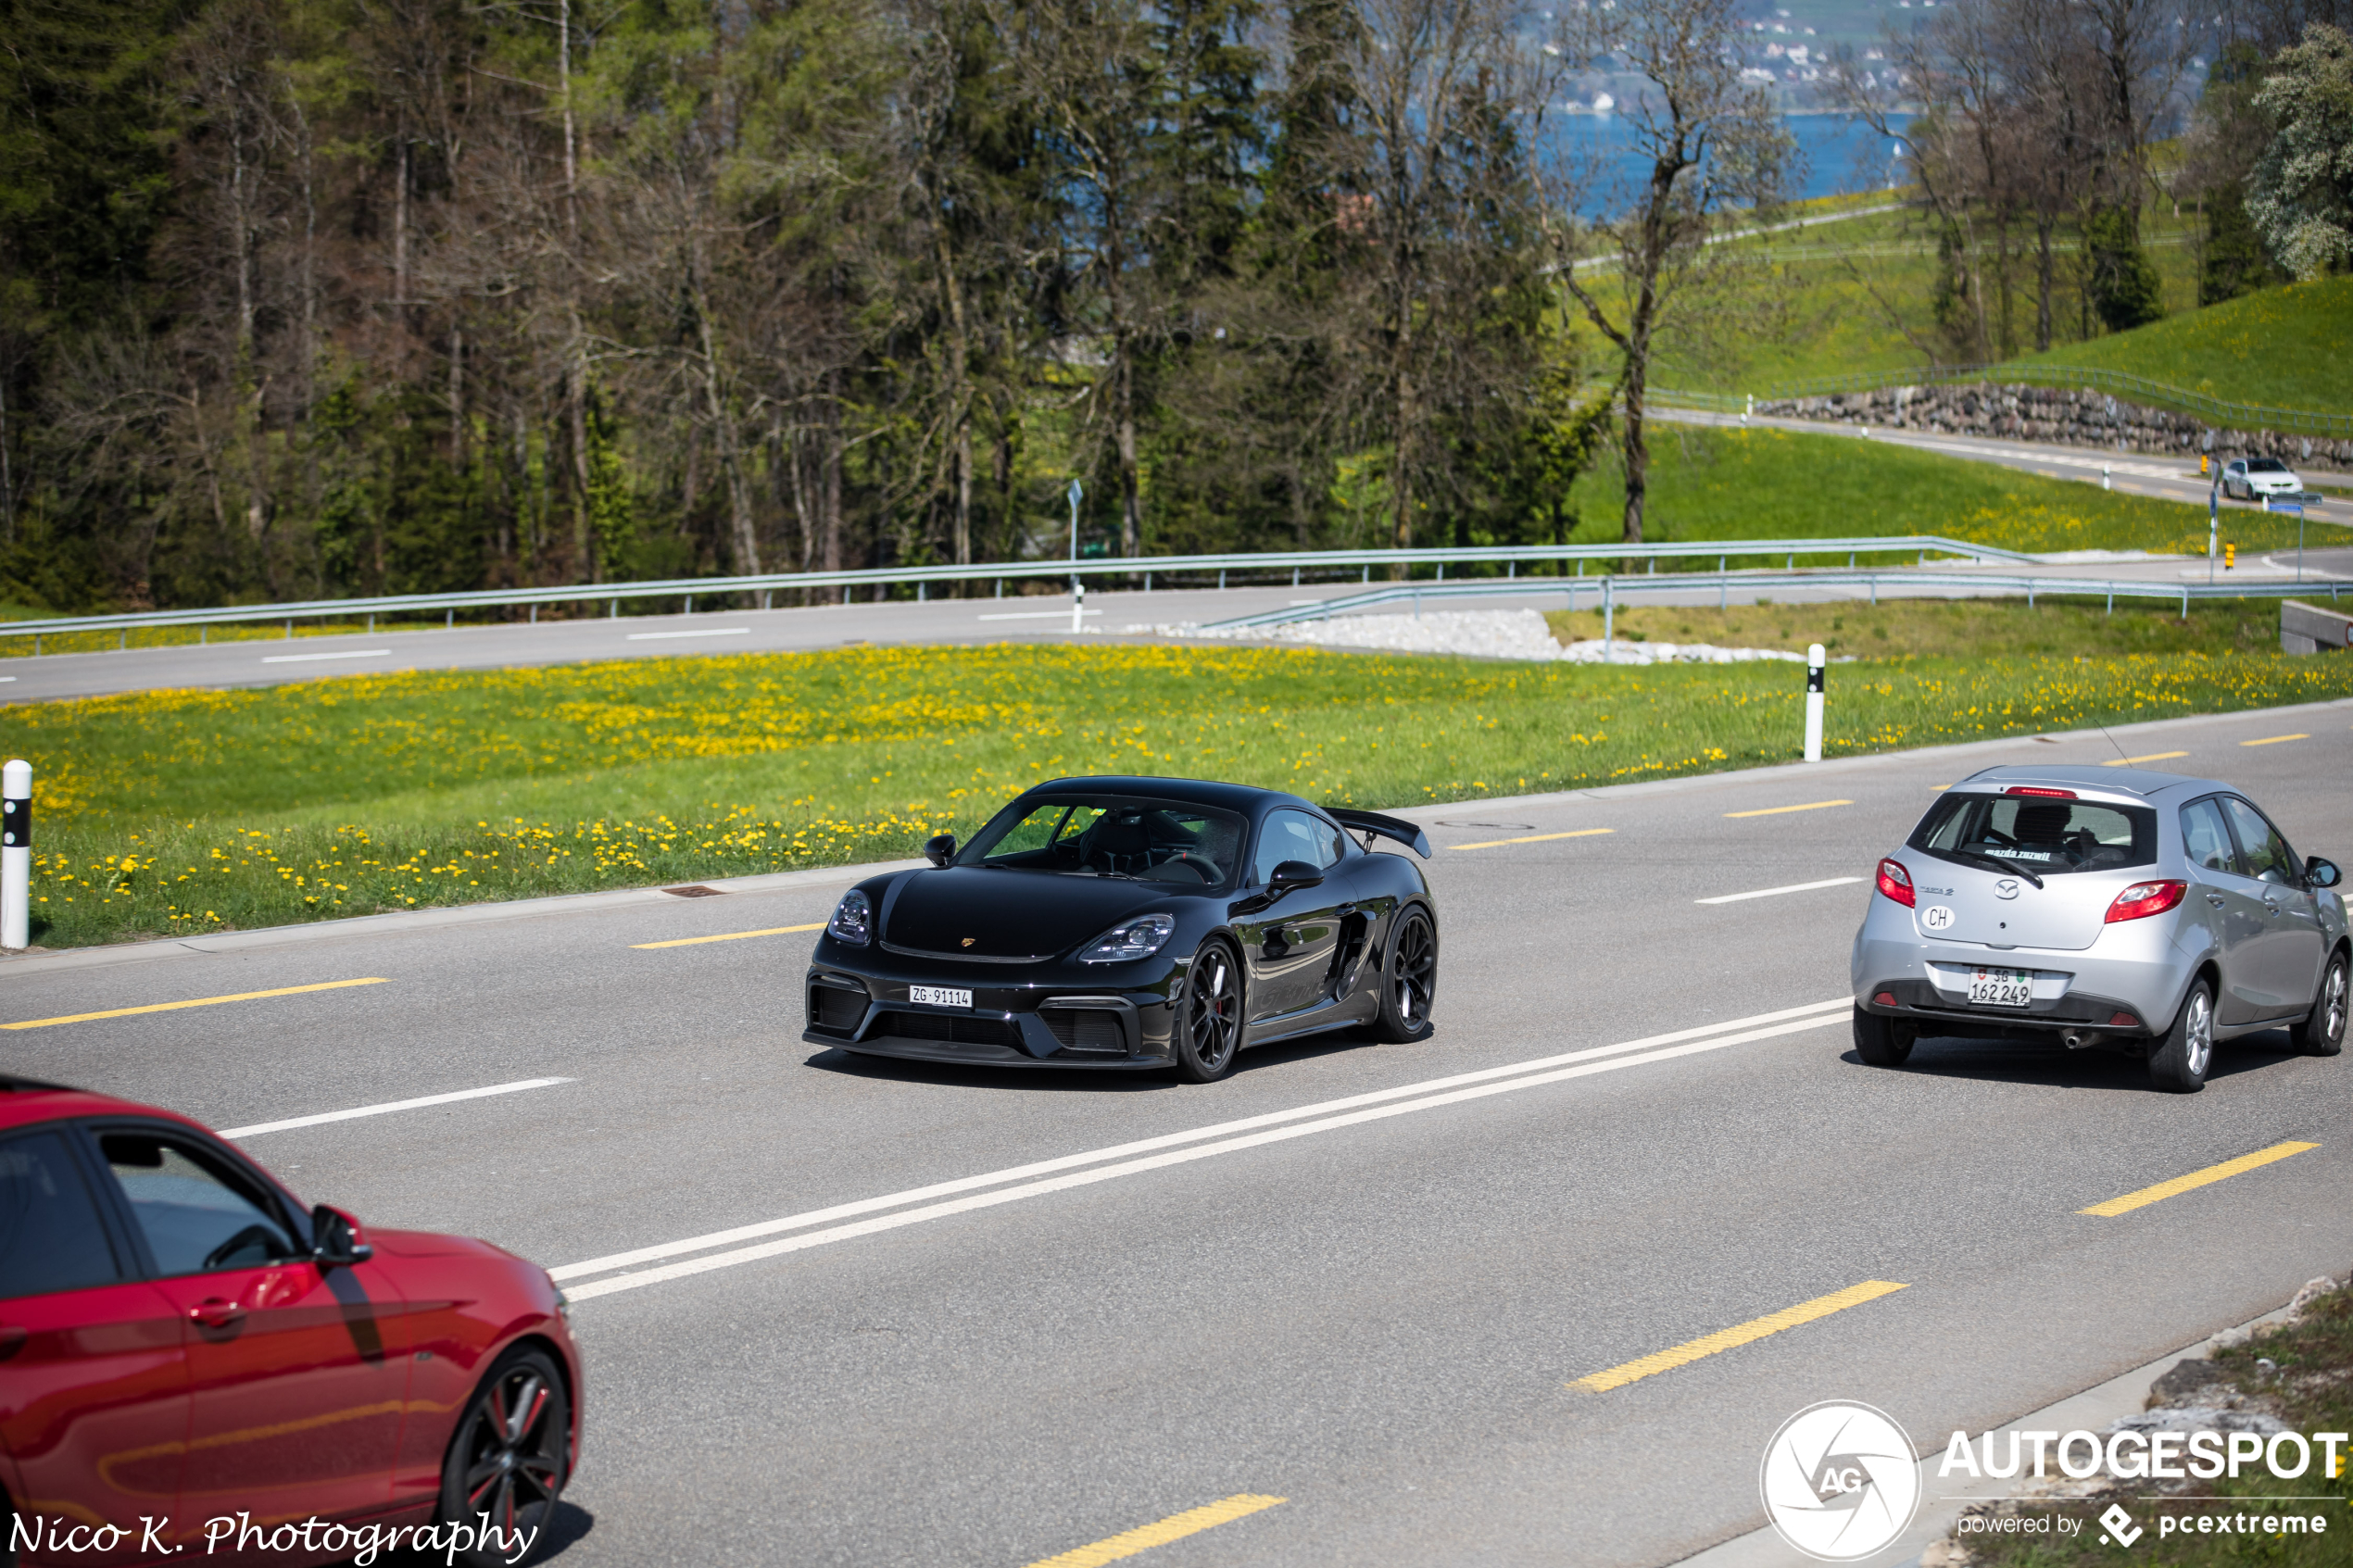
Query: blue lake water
1839,154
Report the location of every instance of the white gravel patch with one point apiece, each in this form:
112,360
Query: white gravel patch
1490,633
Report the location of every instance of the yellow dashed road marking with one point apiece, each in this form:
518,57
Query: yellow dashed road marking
2152,757
1531,838
1176,1527
2273,740
1741,1333
1776,810
198,1002
2196,1179
732,935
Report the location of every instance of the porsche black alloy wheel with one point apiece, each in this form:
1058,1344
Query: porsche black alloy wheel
1884,1042
1210,1031
1410,983
509,1458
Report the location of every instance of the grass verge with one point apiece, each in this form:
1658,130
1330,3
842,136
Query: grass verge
199,810
1949,628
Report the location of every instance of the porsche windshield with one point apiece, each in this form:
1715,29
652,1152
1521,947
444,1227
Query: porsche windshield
1111,835
2039,834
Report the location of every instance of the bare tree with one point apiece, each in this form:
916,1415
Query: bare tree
1713,145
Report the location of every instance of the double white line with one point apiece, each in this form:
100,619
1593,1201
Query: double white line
624,1270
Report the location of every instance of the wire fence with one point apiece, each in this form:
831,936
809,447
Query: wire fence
1596,594
1517,562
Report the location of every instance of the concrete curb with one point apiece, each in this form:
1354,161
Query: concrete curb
826,876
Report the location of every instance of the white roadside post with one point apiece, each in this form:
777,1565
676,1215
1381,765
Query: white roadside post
1077,588
1814,661
16,854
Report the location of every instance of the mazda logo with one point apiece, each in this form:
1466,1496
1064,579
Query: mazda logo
2006,888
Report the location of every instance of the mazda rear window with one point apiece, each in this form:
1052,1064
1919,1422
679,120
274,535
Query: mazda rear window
2039,834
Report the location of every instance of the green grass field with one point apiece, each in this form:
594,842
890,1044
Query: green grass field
1858,293
1762,483
179,811
2283,348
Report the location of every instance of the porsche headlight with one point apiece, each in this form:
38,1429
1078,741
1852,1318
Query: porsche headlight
1138,939
853,920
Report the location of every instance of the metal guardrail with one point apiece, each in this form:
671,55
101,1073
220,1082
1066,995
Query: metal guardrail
2214,410
1603,592
688,589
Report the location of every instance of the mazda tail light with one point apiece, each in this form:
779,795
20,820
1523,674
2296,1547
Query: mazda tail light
1896,882
2145,899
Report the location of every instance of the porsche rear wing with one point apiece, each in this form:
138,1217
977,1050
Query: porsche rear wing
1403,833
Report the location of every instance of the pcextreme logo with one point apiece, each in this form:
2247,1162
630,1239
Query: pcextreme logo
1839,1481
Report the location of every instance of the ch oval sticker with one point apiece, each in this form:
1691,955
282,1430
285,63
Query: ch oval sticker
1937,917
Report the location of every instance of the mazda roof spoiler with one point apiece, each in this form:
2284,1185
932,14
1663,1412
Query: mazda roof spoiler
1403,833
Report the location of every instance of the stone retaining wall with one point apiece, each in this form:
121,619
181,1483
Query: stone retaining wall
2070,415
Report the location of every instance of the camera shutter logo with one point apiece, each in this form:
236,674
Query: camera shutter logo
1840,1481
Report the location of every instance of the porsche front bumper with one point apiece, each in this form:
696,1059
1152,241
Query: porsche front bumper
1049,1015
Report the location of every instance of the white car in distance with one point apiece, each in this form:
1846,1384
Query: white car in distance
2252,479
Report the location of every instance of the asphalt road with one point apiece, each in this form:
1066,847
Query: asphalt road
1378,1318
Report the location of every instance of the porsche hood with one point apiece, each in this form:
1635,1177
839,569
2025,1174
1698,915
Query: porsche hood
994,912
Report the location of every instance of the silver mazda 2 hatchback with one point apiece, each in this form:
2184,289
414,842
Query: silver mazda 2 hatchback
2107,908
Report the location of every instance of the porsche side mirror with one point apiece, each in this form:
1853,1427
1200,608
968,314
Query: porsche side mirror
335,1240
2321,874
940,850
1293,873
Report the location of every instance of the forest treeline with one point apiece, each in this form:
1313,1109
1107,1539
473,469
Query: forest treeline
320,297
315,297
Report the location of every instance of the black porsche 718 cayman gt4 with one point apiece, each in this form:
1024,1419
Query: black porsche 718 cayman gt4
1137,924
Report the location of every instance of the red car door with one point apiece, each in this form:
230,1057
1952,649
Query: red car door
94,1391
296,1372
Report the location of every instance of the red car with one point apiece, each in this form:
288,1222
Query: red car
193,1364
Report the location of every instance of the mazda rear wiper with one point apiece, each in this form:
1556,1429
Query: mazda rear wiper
1990,863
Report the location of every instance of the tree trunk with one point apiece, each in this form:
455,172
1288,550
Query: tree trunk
1131,519
745,537
1638,458
2042,284
829,485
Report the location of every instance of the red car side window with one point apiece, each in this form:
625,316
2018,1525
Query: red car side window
51,1237
196,1216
